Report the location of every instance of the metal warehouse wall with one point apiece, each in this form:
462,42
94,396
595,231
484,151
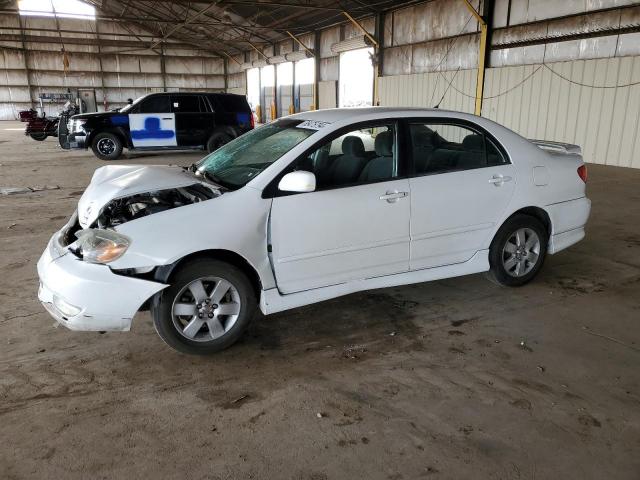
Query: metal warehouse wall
567,71
604,121
109,60
538,103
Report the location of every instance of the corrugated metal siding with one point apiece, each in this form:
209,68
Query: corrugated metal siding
536,103
523,11
605,122
426,90
237,90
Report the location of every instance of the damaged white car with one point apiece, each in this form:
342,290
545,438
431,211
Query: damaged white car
308,208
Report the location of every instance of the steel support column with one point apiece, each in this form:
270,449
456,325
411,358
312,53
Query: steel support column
25,52
225,67
484,21
316,80
162,69
379,57
104,93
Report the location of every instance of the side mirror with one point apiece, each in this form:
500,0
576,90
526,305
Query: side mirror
300,181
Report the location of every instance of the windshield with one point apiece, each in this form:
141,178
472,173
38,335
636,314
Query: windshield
236,163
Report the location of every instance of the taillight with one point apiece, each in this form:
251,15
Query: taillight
253,121
582,173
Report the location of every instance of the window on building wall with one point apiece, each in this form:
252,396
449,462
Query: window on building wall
59,8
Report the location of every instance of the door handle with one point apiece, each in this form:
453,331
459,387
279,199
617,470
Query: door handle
394,196
167,118
498,180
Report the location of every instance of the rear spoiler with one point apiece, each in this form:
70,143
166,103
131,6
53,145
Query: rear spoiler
558,146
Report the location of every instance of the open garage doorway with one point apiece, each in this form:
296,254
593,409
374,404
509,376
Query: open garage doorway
253,89
268,84
304,79
284,77
356,78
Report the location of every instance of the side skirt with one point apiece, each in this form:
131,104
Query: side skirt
271,301
164,149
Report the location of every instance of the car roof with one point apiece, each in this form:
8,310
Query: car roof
338,114
217,94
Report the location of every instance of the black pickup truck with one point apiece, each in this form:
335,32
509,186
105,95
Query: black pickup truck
160,121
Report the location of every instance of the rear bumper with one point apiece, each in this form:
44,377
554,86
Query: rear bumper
84,296
568,220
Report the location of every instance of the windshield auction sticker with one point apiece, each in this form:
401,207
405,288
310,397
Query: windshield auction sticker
312,125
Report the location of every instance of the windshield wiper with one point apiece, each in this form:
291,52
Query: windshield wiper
212,177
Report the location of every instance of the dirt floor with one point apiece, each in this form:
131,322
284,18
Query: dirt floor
451,379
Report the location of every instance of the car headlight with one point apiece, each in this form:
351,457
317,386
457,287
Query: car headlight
77,125
100,246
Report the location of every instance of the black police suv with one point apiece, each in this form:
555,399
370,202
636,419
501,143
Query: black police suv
160,121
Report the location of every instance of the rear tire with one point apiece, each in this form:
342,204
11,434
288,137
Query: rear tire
107,146
38,136
216,140
206,309
517,251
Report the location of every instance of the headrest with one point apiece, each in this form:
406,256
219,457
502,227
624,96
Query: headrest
384,144
473,142
353,145
422,136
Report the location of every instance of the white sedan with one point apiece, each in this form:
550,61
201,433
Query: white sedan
308,208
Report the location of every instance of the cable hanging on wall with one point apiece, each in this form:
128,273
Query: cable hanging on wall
524,80
631,84
489,97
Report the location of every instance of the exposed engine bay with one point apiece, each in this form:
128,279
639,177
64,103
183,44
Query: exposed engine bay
125,209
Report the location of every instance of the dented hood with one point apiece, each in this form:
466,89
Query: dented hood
115,181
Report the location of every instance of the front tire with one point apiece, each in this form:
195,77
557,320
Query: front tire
216,140
206,309
518,251
107,146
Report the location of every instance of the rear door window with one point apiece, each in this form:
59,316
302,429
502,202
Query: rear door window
447,147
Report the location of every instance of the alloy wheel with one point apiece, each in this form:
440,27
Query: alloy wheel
521,252
206,308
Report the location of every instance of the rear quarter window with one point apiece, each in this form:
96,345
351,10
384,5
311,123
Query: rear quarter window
229,103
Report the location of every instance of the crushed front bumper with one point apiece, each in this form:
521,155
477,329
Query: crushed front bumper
85,296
